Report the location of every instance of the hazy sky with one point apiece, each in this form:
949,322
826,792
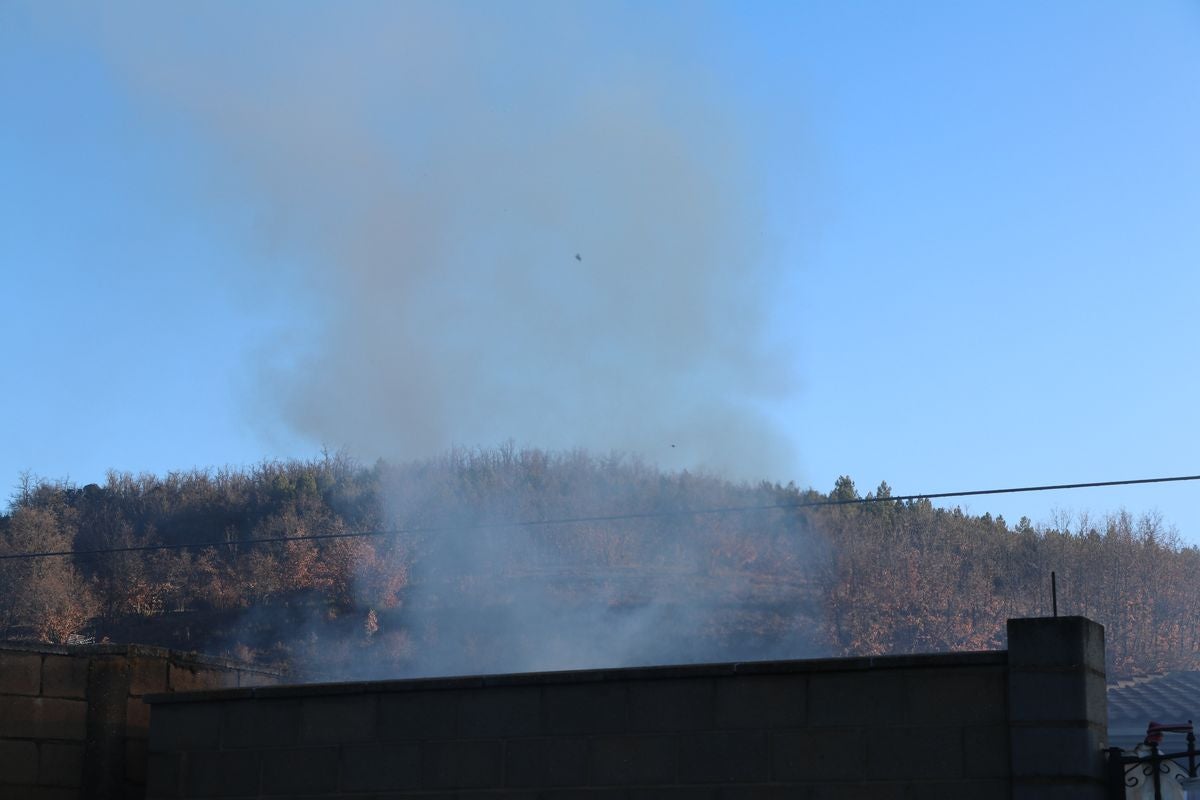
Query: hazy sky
952,246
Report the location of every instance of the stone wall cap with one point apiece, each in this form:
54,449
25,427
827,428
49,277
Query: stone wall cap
993,658
182,658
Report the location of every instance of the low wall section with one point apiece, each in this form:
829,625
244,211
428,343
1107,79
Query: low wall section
936,726
73,725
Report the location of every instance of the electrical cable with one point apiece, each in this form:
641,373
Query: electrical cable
623,517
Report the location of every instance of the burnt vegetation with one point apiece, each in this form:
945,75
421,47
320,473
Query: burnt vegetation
457,591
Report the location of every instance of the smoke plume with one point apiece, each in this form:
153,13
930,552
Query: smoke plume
538,222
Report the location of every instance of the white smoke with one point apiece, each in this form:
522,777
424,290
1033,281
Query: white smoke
536,222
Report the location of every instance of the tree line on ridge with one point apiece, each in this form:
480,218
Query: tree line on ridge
457,582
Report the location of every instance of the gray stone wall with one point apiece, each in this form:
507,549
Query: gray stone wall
43,724
918,726
73,724
1058,708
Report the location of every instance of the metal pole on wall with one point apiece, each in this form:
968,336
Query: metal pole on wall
1054,592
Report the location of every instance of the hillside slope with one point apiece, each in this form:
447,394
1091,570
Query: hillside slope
638,580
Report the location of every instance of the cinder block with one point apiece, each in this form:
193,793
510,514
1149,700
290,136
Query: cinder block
42,718
586,708
147,675
1045,696
1055,642
852,789
905,753
967,695
60,764
1062,752
860,697
337,719
163,774
417,716
1058,791
762,701
559,794
560,761
176,727
816,754
16,716
777,792
137,718
20,673
135,761
251,723
311,770
723,757
65,676
1097,698
252,678
672,705
957,790
985,751
632,760
500,712
381,767
39,793
190,678
18,762
468,765
982,790
683,793
229,773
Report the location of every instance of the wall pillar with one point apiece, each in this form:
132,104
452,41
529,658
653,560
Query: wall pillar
104,751
1057,708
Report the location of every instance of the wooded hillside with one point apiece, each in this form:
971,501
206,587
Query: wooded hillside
457,591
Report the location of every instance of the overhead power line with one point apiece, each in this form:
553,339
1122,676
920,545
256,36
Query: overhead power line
622,517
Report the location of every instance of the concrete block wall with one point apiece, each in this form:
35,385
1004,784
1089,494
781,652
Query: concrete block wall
914,726
43,724
73,724
1058,708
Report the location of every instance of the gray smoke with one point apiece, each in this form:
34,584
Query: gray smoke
488,597
537,222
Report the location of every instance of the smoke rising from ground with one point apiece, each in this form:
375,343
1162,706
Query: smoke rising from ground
535,222
486,597
479,595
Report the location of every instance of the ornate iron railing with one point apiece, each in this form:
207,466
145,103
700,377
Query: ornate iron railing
1128,772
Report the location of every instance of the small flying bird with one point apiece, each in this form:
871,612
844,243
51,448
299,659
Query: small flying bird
578,257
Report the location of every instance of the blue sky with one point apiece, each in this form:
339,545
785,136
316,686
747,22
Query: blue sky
976,225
